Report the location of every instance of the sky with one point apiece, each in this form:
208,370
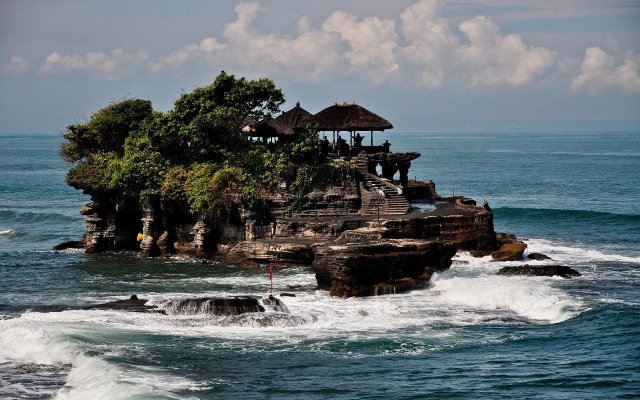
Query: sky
425,65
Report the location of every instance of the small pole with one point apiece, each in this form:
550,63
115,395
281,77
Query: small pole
378,206
271,278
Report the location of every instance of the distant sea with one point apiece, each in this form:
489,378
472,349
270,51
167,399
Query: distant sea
573,196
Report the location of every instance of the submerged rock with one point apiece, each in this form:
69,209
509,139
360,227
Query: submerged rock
224,305
538,256
545,270
71,244
203,305
131,304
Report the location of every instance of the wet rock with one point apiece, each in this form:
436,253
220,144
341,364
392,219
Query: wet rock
271,251
131,304
224,305
510,251
502,238
545,270
71,244
287,295
265,320
538,256
385,267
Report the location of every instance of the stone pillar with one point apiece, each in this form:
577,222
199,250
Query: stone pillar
151,228
403,167
202,239
389,169
100,223
371,166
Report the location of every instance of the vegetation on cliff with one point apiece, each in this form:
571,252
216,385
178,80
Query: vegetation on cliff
194,153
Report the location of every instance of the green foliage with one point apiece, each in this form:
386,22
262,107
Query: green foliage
208,120
304,147
106,131
92,174
174,184
140,171
212,192
195,152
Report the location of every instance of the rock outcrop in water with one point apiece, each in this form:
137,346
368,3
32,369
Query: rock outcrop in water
509,248
224,305
381,267
220,306
189,183
545,270
133,304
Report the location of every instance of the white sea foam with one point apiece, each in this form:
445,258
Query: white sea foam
7,232
47,339
572,254
529,298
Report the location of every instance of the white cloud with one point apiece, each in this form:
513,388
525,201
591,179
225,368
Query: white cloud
421,48
598,71
372,44
311,55
493,59
108,66
206,50
430,43
16,65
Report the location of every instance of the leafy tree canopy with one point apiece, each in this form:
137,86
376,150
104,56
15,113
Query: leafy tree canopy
194,153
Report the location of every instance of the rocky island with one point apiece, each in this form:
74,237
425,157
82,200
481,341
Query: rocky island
218,177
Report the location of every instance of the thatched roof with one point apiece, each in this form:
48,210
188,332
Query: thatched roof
295,118
284,124
348,117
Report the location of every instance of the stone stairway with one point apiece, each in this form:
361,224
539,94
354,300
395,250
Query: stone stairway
379,193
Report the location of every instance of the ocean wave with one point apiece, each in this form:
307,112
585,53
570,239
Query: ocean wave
531,300
552,214
7,232
54,339
31,217
566,253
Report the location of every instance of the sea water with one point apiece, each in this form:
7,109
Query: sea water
573,196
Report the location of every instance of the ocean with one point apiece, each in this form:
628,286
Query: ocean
574,196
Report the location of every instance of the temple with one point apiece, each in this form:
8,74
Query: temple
384,183
361,229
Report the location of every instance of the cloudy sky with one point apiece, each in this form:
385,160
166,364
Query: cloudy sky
424,65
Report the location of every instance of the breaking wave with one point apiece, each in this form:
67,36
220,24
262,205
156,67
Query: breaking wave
549,214
31,217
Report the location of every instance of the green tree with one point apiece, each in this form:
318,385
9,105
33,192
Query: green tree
106,130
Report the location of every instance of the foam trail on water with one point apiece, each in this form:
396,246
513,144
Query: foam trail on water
564,253
7,232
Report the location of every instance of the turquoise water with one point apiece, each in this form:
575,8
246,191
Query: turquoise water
573,196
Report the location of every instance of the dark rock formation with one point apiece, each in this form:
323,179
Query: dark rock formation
538,256
384,267
262,252
511,251
131,304
71,244
545,270
357,250
224,305
203,305
112,221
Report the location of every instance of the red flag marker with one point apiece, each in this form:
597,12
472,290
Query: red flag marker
271,276
271,272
